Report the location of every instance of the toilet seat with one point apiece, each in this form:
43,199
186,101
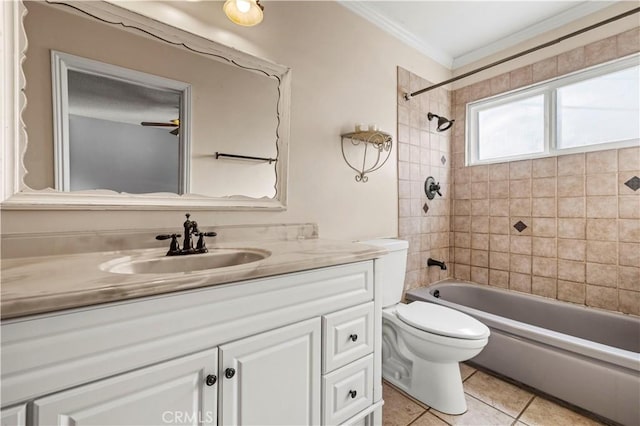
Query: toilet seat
441,320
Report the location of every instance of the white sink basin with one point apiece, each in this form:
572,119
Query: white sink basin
158,263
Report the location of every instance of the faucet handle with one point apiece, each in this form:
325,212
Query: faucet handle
200,246
173,248
167,236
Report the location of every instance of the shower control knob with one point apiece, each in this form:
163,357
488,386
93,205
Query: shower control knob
353,337
211,380
353,394
229,373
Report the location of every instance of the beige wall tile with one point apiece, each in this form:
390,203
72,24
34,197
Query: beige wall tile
501,83
602,252
520,244
571,61
602,275
602,184
629,159
628,42
461,207
545,266
499,207
499,189
572,249
520,263
572,228
462,240
629,278
571,186
544,167
461,223
602,207
526,220
499,278
629,302
480,258
498,171
520,207
480,207
479,190
543,207
543,187
571,271
602,297
629,254
479,275
499,243
571,291
542,286
602,229
545,247
499,225
545,69
602,161
520,169
600,51
520,282
624,177
521,77
543,227
480,224
572,164
499,261
463,272
462,256
480,241
520,188
629,207
571,207
629,230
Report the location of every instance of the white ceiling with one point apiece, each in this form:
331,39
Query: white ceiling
455,33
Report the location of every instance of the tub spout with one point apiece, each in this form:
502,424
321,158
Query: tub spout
433,262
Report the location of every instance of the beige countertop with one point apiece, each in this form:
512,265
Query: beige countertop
33,285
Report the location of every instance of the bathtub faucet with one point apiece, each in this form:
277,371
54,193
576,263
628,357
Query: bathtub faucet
433,262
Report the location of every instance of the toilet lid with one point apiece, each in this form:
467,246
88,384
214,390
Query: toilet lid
441,320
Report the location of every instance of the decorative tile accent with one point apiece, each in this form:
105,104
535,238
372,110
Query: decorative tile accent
443,160
633,183
520,226
425,208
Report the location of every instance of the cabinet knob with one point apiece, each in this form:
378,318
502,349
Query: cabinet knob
211,380
353,337
229,373
353,394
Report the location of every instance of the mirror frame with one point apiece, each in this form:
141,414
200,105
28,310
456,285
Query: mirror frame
15,194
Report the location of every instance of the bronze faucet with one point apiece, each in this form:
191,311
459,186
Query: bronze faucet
190,228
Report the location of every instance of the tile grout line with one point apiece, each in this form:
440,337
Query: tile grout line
533,396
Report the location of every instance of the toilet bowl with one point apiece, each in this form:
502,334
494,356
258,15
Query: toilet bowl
422,343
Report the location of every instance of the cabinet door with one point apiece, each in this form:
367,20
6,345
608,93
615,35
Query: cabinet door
169,393
276,377
14,416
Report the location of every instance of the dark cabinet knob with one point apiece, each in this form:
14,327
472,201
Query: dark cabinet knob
353,337
229,373
353,394
211,380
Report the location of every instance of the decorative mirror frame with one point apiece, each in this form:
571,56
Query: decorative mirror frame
15,194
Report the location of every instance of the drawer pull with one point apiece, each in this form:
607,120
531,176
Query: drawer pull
353,394
211,380
229,373
353,337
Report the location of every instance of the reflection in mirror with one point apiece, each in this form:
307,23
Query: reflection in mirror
239,105
117,129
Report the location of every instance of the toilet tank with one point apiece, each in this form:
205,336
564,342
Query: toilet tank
392,268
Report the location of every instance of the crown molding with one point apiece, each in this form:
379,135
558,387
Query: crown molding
365,11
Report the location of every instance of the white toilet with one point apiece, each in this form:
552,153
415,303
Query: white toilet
422,343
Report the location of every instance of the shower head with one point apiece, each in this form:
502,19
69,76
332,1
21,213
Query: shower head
443,123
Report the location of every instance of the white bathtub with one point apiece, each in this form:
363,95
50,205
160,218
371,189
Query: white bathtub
587,357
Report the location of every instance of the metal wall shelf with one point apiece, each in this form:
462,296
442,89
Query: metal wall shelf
379,142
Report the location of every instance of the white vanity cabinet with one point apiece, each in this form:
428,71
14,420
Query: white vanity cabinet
278,350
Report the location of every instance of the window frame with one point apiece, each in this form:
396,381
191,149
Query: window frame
548,89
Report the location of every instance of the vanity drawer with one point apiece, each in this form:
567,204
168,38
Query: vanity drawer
347,391
347,336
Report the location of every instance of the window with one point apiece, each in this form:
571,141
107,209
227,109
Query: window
597,108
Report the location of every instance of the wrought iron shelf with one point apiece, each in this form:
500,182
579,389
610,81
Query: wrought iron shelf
381,144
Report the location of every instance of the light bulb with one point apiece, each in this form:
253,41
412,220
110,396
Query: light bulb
243,6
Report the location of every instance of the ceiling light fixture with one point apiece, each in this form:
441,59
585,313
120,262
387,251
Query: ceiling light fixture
244,12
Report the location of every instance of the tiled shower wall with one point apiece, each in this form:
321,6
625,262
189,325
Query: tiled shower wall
423,152
578,215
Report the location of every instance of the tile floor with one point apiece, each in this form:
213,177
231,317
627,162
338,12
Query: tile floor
490,400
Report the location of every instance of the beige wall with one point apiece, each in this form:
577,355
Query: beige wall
582,240
344,71
423,152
